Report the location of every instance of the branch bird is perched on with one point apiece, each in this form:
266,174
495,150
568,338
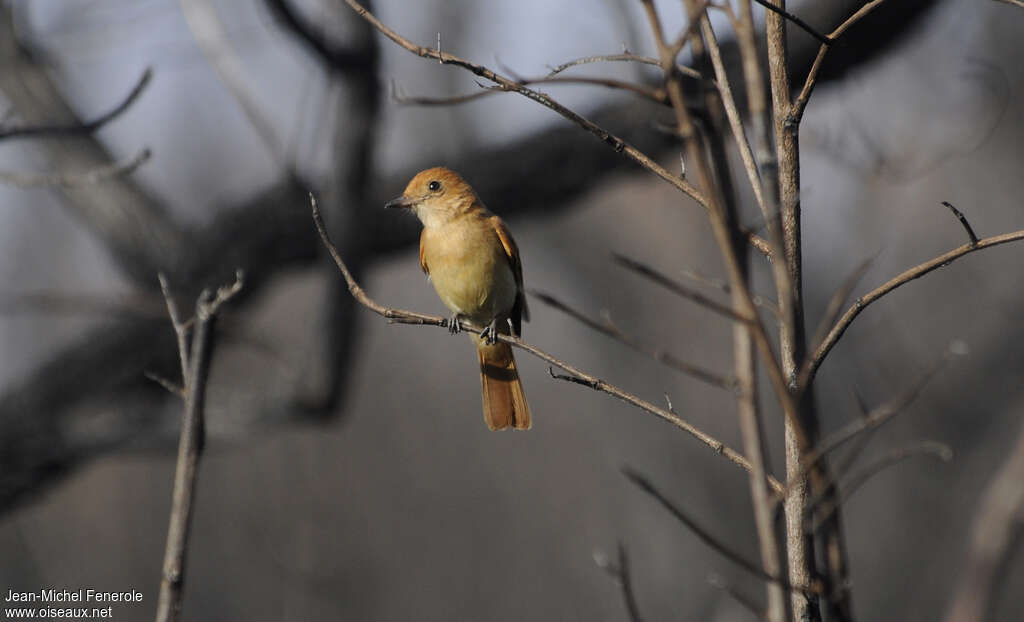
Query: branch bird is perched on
469,255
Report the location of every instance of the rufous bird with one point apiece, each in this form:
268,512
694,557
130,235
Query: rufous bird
469,255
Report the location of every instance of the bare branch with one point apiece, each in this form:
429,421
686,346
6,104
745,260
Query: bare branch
733,115
724,287
655,95
860,444
796,112
399,97
172,387
835,303
825,507
619,572
796,20
941,451
879,415
180,329
624,57
69,180
677,288
190,449
1017,3
608,138
402,316
691,29
224,294
814,361
722,548
754,448
963,221
83,128
611,330
721,218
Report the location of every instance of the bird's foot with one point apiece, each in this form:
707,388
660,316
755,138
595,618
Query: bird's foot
490,333
453,324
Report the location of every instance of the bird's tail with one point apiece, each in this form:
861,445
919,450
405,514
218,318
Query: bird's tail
504,402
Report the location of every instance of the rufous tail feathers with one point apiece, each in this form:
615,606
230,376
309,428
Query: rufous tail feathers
504,402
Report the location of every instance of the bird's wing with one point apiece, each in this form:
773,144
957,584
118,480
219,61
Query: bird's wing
423,258
519,311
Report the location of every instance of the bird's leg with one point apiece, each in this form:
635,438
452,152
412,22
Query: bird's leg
490,333
511,328
453,324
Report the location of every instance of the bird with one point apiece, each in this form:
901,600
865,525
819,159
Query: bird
469,255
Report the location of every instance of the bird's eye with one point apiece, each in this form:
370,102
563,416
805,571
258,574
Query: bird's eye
434,186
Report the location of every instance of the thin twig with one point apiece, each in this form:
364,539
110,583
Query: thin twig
861,442
586,60
620,573
655,95
399,96
180,330
677,288
611,330
722,548
68,180
780,173
732,113
171,386
814,361
688,32
879,415
79,129
604,135
754,448
744,357
190,447
724,287
720,219
963,221
1017,3
857,479
824,508
796,111
835,303
796,20
412,317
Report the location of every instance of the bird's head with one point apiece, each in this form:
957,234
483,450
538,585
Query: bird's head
436,195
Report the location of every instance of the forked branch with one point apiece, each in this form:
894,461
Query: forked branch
190,445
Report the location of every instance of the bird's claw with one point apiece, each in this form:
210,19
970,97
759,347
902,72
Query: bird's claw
490,333
453,324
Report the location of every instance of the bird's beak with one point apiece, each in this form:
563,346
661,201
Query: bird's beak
402,201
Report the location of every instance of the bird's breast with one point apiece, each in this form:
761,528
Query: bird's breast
470,271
